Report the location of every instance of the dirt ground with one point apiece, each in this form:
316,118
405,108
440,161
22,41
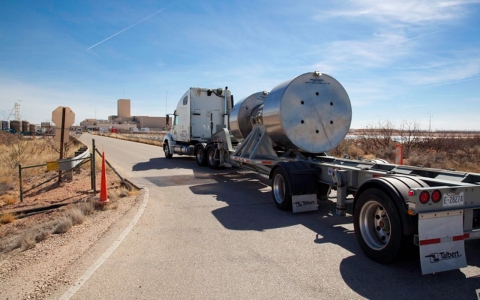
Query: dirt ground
37,270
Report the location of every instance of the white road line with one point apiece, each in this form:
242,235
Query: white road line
78,284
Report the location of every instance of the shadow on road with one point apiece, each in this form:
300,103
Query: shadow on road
401,280
161,163
255,210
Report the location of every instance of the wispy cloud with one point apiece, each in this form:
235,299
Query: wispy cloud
407,12
379,50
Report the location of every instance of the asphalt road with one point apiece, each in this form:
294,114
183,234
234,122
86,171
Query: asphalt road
208,234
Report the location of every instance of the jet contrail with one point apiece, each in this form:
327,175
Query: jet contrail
123,30
416,37
453,81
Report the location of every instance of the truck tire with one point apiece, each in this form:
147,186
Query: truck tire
212,158
201,156
166,149
282,196
378,228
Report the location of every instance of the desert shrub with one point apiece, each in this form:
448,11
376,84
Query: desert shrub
87,208
386,153
27,241
76,215
8,199
41,235
62,225
7,218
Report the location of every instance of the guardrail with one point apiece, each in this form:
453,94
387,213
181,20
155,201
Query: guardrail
62,165
69,164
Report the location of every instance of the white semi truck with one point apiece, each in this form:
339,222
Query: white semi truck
285,134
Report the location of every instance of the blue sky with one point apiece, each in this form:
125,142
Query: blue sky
399,61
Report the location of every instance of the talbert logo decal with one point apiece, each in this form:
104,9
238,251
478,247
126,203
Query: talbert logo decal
302,203
436,257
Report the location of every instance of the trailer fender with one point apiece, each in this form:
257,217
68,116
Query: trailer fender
396,187
302,177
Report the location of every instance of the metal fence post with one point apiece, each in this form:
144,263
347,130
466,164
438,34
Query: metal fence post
20,179
94,169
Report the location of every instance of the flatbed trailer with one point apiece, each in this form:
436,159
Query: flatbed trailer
397,209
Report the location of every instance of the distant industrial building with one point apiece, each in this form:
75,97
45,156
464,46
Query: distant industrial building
123,108
124,121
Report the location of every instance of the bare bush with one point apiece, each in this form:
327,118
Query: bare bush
87,208
17,148
76,215
410,135
62,225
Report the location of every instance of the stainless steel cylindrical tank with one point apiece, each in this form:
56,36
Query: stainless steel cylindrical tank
25,125
311,113
240,116
16,126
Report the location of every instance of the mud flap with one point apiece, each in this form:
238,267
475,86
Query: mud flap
441,241
301,203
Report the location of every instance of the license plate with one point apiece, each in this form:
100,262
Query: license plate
452,199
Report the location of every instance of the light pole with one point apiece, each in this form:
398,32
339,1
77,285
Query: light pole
430,123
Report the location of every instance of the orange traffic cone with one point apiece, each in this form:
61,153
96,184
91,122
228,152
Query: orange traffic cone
103,183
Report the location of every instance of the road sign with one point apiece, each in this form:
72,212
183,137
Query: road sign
57,117
58,136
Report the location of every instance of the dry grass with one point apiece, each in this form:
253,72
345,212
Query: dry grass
449,152
62,225
27,238
76,215
8,199
27,151
7,218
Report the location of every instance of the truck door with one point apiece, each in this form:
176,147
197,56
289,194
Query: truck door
174,130
217,120
199,122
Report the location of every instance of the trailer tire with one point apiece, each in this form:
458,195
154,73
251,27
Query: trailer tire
378,227
212,158
166,149
281,192
201,156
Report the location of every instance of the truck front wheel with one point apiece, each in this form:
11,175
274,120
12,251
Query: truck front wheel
166,149
378,228
201,156
281,190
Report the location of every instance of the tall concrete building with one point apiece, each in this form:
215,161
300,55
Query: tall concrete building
123,108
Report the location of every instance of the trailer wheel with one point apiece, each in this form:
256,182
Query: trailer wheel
201,156
281,190
166,149
212,158
378,228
